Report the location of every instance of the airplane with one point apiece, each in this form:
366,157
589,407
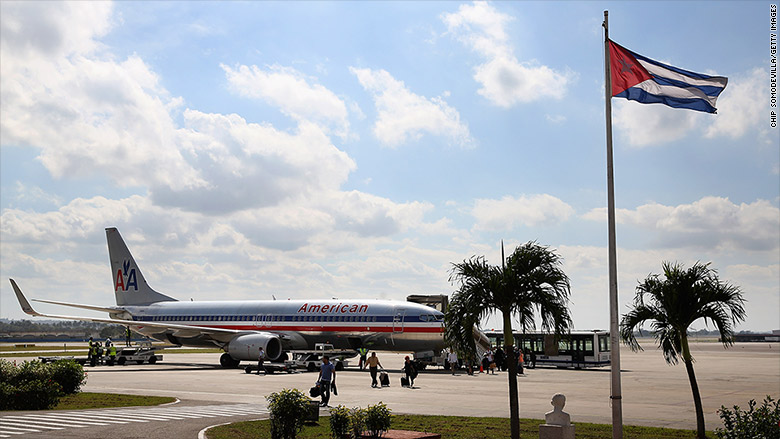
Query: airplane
242,327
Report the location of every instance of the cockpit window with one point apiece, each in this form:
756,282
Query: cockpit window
431,317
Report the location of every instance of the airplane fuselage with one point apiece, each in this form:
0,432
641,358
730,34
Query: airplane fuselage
347,324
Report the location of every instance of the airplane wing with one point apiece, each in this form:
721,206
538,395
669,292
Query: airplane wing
182,330
78,305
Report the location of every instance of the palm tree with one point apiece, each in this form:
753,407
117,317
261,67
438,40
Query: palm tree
673,304
530,279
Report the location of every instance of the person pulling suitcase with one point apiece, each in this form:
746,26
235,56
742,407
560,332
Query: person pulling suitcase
373,368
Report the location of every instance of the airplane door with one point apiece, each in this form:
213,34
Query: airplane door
578,351
398,320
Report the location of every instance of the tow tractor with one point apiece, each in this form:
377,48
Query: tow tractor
312,360
141,353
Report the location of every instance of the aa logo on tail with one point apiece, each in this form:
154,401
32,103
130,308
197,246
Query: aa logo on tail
125,277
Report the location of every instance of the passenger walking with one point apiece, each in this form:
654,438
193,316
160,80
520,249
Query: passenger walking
260,361
520,362
452,358
373,368
326,377
410,371
362,362
491,362
500,357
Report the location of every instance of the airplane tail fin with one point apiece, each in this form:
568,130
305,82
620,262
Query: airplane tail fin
130,287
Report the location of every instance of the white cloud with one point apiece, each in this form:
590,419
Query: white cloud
510,212
249,165
505,80
711,222
34,194
79,218
652,124
91,115
292,92
86,114
740,106
555,118
30,30
404,115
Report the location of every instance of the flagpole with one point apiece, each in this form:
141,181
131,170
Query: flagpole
616,398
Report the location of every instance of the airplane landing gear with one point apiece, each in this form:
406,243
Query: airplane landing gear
228,362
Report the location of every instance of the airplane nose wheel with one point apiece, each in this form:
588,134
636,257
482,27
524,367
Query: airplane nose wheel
228,362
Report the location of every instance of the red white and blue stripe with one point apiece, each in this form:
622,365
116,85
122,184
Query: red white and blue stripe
644,80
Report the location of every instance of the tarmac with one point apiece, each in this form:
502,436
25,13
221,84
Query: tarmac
654,393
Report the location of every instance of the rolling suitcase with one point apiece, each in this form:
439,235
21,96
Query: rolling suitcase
404,382
384,379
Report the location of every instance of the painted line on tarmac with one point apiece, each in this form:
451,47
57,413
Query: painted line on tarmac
44,425
8,430
33,422
66,422
81,416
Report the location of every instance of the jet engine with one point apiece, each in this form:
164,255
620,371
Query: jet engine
247,346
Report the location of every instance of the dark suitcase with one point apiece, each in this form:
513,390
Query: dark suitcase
384,379
404,382
314,392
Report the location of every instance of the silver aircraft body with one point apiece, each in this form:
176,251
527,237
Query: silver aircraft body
242,327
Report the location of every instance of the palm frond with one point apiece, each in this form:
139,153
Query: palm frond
675,301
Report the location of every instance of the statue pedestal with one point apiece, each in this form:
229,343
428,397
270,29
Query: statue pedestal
556,431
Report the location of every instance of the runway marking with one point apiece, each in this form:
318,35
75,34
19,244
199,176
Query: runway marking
51,420
68,422
80,418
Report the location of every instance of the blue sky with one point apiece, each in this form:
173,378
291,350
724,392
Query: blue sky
358,149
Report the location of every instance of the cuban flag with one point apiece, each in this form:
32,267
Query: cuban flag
644,80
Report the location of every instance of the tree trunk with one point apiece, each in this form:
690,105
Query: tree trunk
514,402
688,360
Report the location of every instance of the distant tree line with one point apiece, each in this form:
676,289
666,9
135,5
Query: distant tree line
74,328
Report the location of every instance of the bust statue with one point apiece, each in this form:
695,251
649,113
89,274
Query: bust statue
557,416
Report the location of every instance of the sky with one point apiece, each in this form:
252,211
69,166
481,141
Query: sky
259,150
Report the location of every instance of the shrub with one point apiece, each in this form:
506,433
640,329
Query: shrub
36,395
6,395
339,422
289,408
377,419
69,374
357,421
8,371
33,371
36,386
763,422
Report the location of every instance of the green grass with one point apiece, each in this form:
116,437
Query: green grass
32,347
87,400
452,427
60,353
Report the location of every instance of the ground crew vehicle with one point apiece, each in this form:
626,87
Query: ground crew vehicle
312,360
140,354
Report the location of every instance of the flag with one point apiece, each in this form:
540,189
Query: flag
644,80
